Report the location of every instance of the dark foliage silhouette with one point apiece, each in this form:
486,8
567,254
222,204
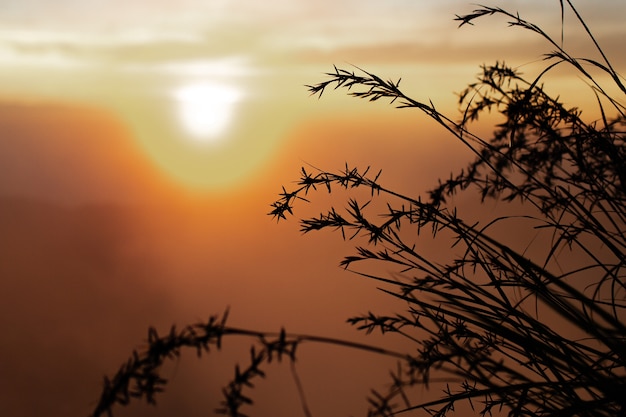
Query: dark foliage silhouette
477,318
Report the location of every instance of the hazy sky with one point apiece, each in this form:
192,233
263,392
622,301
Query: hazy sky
141,143
195,80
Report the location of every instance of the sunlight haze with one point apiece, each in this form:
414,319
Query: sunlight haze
142,142
111,54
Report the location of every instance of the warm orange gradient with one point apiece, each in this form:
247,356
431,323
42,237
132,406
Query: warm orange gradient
97,246
112,219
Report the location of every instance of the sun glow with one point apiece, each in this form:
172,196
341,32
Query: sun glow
207,109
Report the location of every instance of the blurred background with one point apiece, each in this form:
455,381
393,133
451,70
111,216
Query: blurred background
141,144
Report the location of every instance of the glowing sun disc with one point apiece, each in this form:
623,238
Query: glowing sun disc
207,109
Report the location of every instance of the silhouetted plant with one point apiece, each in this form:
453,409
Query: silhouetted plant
139,377
475,319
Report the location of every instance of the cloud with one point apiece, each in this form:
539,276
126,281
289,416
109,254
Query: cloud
72,33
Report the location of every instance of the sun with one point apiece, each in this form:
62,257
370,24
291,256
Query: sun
206,109
208,134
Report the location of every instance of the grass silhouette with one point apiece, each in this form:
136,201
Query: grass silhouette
476,320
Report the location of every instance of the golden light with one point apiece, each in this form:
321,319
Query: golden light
206,109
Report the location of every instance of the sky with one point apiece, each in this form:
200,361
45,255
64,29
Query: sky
142,142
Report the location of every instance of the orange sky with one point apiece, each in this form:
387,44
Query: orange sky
116,215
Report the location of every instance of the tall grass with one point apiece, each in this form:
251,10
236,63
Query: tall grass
478,319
